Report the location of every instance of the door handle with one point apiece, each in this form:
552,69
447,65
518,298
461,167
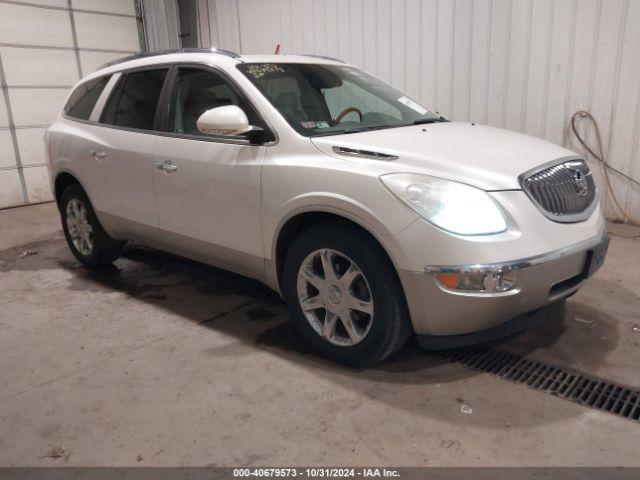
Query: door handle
166,166
98,155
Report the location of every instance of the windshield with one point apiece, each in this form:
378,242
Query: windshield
334,99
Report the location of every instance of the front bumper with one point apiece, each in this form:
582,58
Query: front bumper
541,280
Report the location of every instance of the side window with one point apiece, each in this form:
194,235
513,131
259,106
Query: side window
134,100
194,92
84,98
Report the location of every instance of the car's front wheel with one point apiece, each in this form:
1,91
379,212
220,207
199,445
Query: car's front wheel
88,241
344,295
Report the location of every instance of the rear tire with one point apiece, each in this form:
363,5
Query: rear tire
356,315
88,241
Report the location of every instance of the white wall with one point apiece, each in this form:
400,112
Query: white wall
525,65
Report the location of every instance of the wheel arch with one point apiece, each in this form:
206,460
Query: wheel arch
300,220
64,180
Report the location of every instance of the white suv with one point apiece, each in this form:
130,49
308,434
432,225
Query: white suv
374,217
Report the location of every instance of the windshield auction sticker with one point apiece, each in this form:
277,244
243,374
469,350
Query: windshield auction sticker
413,105
259,70
313,124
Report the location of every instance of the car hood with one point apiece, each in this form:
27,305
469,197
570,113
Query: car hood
486,157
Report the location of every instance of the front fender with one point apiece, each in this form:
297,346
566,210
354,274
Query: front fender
342,206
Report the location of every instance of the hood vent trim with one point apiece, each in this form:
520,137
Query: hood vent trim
354,152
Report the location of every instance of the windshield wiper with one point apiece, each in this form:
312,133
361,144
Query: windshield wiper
380,127
423,121
365,129
327,133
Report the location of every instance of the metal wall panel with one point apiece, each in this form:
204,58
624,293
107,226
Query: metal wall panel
7,153
161,24
45,47
525,65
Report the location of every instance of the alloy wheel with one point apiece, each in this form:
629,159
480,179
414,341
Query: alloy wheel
335,297
79,228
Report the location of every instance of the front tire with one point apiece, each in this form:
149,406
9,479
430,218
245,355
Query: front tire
344,295
87,240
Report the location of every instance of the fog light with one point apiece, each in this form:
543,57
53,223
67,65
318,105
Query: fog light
504,281
481,282
471,281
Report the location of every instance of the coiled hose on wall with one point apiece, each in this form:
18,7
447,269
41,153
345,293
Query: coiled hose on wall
606,168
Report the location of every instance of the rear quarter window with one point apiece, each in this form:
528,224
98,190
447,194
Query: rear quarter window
84,98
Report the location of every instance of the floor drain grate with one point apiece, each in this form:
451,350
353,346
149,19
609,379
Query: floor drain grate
574,386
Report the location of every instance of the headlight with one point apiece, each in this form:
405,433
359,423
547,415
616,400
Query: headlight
452,206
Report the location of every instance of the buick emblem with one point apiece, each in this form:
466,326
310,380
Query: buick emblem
580,184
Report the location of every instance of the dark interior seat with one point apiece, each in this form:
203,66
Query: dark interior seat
289,104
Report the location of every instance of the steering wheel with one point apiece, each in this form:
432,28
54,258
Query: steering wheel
347,111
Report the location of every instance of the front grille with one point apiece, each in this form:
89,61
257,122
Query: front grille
565,192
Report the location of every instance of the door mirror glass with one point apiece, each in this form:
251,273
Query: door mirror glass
227,120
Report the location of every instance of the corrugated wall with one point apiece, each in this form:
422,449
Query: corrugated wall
525,65
45,47
160,24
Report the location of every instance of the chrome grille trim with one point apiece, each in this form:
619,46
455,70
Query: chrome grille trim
558,192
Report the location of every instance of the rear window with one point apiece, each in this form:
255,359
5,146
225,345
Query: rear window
134,100
84,98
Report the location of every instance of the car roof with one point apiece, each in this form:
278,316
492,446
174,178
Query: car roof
206,56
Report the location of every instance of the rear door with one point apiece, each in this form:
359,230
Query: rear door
209,197
121,152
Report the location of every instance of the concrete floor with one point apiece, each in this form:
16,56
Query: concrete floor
167,362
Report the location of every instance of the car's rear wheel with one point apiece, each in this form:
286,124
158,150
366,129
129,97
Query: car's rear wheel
88,241
344,295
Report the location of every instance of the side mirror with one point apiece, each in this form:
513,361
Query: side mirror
227,120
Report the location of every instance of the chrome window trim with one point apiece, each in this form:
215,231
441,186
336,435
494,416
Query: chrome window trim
521,263
234,140
571,218
231,140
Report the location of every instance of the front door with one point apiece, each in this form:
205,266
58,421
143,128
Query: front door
207,187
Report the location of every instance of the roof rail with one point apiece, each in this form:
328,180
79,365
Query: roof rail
136,56
324,57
